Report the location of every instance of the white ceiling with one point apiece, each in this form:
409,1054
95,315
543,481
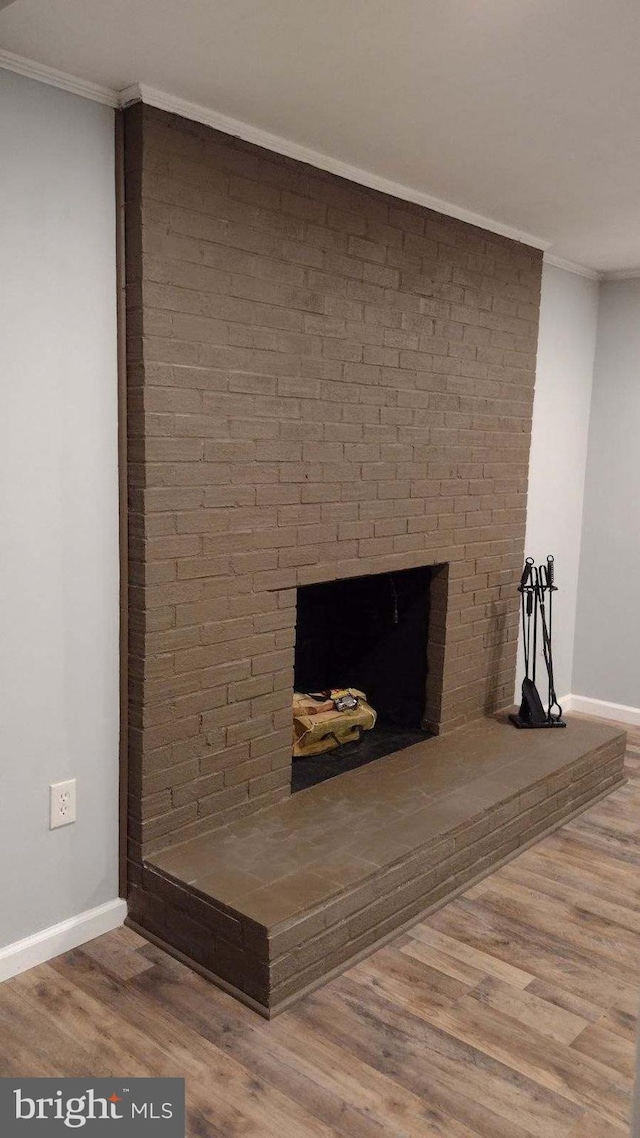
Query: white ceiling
523,111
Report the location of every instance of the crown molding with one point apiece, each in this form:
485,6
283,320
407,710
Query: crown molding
139,92
620,275
591,274
60,79
571,267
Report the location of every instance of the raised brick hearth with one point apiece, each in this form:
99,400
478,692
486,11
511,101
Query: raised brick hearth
272,904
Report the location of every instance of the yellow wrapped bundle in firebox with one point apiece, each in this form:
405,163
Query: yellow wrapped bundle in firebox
320,725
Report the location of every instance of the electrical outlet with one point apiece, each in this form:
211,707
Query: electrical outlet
62,803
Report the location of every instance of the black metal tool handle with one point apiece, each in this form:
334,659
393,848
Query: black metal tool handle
550,571
526,572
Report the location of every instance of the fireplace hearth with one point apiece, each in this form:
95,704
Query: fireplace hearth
274,904
383,740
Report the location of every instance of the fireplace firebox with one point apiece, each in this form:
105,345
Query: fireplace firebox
369,633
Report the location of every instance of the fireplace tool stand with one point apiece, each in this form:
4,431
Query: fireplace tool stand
536,590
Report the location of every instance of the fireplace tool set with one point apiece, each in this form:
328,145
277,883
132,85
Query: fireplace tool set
536,590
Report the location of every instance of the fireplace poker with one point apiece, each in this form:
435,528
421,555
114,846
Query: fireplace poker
546,585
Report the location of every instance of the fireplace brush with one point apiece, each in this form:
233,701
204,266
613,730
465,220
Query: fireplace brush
536,588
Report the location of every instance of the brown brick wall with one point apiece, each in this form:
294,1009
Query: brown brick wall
323,381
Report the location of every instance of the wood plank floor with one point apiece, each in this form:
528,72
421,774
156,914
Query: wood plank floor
510,1012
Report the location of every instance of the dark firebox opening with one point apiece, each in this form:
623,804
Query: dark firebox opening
370,633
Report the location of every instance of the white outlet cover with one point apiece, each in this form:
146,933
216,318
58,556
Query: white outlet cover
62,803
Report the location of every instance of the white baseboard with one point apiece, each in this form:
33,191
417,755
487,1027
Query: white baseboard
603,708
43,946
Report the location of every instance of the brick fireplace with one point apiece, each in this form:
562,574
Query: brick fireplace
324,383
330,397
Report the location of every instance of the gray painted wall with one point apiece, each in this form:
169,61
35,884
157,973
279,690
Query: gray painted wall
562,400
607,642
58,504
